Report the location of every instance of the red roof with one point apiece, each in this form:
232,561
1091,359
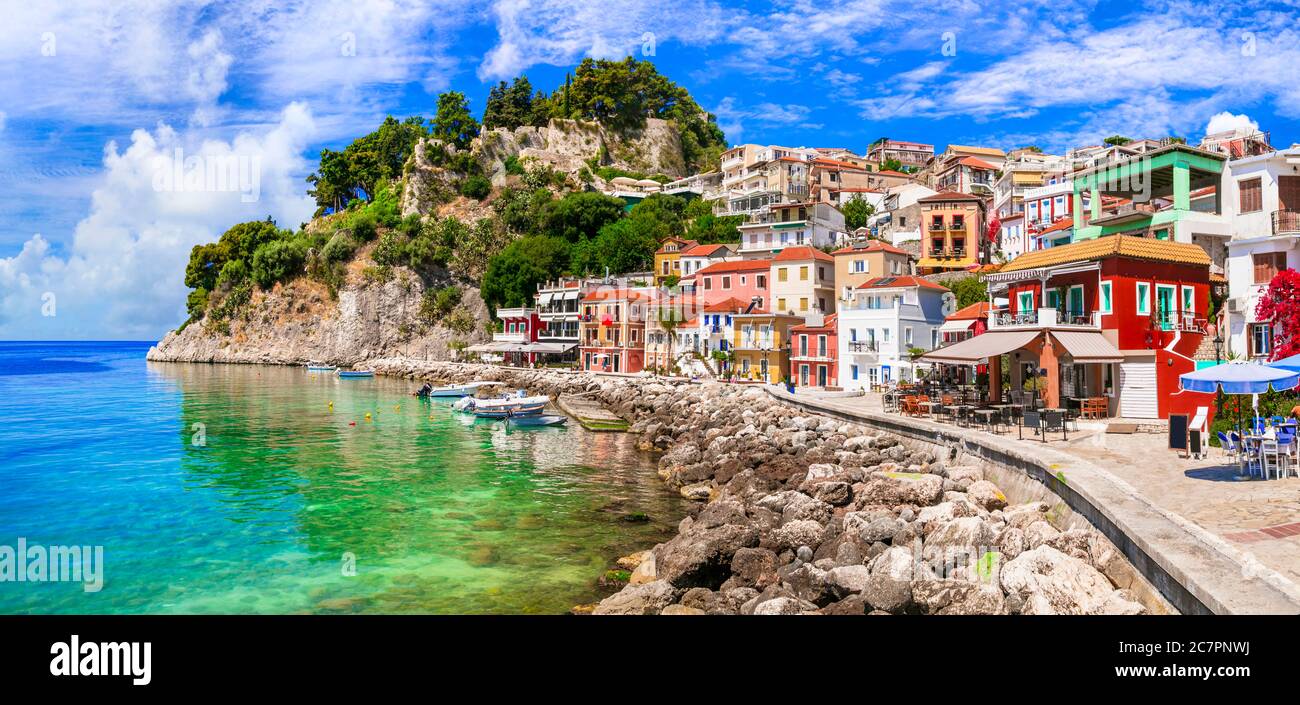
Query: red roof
744,265
682,244
1059,225
702,250
828,323
900,282
801,252
731,304
943,196
974,312
871,246
615,294
976,163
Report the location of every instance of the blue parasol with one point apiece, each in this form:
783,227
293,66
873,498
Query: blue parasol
1240,378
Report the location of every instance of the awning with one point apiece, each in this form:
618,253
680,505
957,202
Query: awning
480,348
975,350
571,294
956,326
544,299
549,348
1088,346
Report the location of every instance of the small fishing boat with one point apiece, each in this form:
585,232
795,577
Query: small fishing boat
501,412
464,404
452,390
356,374
320,367
539,420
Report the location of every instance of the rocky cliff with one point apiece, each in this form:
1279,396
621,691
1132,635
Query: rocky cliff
298,322
566,145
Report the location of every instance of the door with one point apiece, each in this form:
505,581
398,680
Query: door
1165,305
1137,390
1288,193
616,357
821,375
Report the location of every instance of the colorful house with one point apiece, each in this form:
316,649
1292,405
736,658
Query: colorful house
519,328
813,352
952,227
791,225
612,329
803,281
693,259
867,259
670,319
1117,317
746,280
966,323
760,344
668,258
881,322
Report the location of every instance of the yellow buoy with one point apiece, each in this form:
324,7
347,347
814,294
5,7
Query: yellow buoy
367,416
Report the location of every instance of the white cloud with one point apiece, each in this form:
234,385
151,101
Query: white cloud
121,276
733,117
560,32
1226,121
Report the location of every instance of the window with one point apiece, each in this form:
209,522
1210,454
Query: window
821,346
780,304
884,334
782,274
1105,303
1261,340
1165,302
742,280
1143,298
803,273
803,346
907,336
708,283
761,281
853,370
902,221
1267,265
726,282
821,273
1250,195
821,304
1189,299
803,303
860,266
1025,302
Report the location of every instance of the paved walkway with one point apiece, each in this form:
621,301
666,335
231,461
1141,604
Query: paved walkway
1233,545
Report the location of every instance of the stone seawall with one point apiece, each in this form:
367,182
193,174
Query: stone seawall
801,513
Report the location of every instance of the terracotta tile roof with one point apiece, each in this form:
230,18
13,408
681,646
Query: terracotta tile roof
944,196
1062,224
745,265
702,250
1129,246
976,163
974,312
900,282
891,172
828,323
731,304
1218,278
802,252
871,246
990,151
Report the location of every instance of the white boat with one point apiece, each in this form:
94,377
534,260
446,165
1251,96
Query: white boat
320,367
456,390
539,420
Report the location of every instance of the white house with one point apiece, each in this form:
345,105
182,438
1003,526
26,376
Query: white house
881,320
1262,199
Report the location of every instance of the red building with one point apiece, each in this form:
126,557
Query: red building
813,354
1117,317
741,279
966,323
519,327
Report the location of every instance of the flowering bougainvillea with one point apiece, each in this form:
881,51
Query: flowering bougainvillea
1280,307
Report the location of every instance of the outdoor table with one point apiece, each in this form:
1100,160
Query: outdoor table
987,416
929,407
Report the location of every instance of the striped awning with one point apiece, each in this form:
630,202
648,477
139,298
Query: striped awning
1088,346
975,350
957,326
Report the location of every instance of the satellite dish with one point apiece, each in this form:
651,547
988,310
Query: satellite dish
949,303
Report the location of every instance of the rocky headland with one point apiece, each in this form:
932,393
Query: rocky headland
804,514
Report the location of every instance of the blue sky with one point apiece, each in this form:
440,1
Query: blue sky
96,93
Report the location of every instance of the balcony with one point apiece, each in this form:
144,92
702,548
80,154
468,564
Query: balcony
958,225
1286,222
757,343
863,346
1045,318
1184,323
937,227
951,253
510,337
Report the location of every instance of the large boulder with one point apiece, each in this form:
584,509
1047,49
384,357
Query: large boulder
895,488
701,556
960,541
753,567
1050,582
794,534
987,495
889,587
650,598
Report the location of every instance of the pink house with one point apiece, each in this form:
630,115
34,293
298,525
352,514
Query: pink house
743,279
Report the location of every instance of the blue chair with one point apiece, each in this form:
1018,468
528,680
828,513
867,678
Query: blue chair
1278,420
1257,426
1229,448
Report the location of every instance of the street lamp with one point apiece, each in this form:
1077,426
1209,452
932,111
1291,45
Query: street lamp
1218,347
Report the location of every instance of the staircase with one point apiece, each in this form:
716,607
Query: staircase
1205,351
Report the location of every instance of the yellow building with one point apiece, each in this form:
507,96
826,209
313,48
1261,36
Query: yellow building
668,258
952,226
803,281
868,259
761,345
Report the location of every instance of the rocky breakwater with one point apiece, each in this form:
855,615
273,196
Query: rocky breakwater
804,514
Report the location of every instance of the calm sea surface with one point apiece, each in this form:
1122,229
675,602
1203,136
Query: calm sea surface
247,489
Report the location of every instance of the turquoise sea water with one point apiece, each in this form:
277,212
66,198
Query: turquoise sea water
238,489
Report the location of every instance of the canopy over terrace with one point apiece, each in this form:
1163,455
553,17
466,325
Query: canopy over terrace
1050,347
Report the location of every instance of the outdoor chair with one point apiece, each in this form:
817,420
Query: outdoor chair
1034,420
1273,459
1229,448
1053,420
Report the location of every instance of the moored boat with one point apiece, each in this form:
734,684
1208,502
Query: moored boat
501,412
355,374
453,390
314,366
539,420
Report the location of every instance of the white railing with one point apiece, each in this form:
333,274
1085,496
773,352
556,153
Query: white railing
1044,318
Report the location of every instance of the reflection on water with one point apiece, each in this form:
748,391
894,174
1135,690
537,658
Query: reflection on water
241,489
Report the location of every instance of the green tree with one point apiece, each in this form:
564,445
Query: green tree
509,106
581,214
453,123
969,290
358,170
1117,140
277,261
513,275
476,187
891,164
856,213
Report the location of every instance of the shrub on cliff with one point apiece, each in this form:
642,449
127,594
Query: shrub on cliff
476,187
513,275
391,249
339,248
278,261
581,214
